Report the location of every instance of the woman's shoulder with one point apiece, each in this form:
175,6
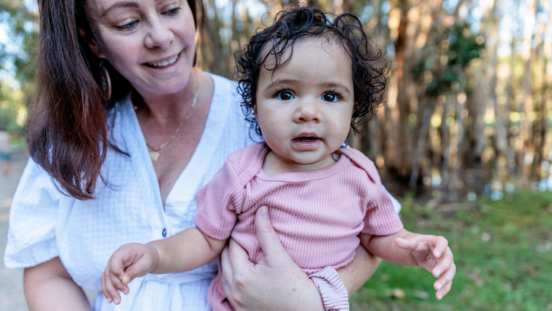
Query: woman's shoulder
223,87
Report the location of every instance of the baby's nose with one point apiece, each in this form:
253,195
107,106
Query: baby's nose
307,112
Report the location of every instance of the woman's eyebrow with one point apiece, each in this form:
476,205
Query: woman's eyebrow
127,4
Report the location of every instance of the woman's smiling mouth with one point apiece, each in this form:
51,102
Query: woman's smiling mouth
165,63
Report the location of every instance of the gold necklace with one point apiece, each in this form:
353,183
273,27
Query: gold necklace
154,154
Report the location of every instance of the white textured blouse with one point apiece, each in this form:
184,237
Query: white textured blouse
44,223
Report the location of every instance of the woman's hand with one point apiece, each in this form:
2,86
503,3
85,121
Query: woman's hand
433,254
275,283
48,286
128,262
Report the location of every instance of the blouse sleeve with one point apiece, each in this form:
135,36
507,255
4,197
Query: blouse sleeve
33,218
217,203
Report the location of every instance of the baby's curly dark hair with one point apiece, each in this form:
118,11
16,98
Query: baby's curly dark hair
369,67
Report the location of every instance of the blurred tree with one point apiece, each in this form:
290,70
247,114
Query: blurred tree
17,62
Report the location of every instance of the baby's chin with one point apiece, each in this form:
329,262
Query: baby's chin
308,159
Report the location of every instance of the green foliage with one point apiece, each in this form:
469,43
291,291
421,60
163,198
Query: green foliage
502,250
22,22
442,67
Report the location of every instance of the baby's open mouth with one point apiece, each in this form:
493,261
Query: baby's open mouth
306,139
165,63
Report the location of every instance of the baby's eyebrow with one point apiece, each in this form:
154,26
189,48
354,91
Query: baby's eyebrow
293,81
336,85
281,81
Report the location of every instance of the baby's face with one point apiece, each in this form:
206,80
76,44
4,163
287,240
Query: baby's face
304,109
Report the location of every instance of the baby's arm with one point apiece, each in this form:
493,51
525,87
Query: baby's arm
185,251
407,248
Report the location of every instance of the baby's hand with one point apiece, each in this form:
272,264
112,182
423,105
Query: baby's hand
433,254
128,262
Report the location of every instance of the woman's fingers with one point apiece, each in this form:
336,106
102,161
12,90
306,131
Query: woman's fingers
444,263
237,257
268,239
225,263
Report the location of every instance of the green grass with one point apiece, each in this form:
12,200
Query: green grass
510,271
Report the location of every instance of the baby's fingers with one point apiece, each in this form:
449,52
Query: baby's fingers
110,293
445,280
404,243
137,269
441,245
118,284
443,291
444,264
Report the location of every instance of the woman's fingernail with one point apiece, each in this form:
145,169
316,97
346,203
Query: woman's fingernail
264,211
437,272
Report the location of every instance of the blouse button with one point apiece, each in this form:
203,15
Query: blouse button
164,232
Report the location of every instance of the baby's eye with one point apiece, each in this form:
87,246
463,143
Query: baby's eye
330,97
285,95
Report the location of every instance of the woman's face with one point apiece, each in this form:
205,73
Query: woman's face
150,42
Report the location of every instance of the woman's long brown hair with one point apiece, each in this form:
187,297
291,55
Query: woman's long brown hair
68,129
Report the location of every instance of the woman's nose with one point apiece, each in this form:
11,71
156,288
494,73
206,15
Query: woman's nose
159,36
307,112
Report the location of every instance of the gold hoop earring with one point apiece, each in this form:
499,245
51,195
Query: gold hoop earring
105,80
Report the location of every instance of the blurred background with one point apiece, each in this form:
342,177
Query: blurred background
462,138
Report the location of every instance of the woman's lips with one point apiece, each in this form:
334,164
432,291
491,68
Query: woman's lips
306,143
164,64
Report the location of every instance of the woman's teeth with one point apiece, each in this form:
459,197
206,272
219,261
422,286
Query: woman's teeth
164,63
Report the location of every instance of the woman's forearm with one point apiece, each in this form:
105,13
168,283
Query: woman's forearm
49,286
360,270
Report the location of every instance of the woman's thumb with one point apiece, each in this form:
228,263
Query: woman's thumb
268,239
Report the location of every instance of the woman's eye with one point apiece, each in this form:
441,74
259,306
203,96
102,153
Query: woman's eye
285,95
129,26
330,97
172,11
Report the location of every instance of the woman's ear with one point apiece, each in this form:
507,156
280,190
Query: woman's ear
92,44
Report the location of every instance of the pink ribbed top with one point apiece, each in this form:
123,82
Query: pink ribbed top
316,214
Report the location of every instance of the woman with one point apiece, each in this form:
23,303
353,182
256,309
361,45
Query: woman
121,163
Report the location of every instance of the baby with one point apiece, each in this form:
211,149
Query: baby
306,81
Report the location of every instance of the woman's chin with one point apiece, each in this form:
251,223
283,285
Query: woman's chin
159,88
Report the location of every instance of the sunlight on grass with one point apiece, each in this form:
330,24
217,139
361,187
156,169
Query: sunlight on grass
503,251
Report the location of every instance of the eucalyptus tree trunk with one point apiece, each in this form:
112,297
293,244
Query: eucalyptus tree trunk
528,100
